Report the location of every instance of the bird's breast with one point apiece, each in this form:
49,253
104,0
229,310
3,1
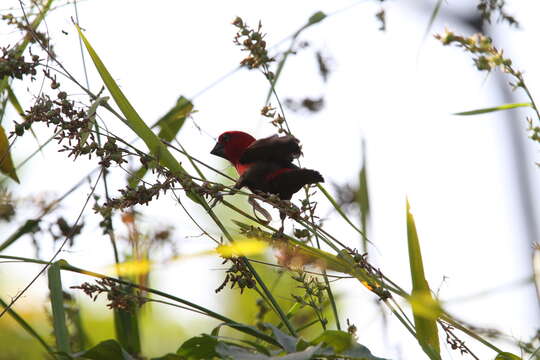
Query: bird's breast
242,168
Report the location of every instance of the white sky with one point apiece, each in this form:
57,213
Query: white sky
391,88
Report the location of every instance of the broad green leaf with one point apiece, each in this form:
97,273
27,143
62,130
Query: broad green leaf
136,123
199,348
507,356
108,349
287,342
6,163
338,340
57,304
426,327
496,108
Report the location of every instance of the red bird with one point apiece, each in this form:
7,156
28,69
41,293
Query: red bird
266,164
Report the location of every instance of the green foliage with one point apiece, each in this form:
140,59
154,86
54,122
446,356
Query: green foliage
424,321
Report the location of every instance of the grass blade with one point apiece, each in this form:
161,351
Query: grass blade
425,322
492,109
57,305
28,227
6,163
362,198
338,209
126,325
433,16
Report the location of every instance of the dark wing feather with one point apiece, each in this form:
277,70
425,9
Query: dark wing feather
280,149
287,183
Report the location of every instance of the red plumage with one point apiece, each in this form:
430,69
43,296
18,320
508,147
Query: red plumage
266,164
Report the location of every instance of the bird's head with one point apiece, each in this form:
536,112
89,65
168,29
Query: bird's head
231,145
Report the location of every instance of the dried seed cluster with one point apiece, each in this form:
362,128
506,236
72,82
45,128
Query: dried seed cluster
488,7
237,275
118,296
252,41
14,65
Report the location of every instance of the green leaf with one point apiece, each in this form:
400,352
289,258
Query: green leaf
6,163
57,303
199,348
108,349
171,123
28,227
359,352
426,327
237,352
338,340
507,356
491,109
317,17
343,344
287,342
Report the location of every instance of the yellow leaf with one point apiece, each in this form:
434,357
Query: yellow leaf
6,164
129,268
242,248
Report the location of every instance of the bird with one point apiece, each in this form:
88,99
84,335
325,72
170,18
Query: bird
266,164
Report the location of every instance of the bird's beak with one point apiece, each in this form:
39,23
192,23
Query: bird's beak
218,150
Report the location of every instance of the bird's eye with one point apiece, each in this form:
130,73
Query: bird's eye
225,138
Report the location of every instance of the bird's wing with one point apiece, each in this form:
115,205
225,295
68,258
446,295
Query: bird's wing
286,183
281,149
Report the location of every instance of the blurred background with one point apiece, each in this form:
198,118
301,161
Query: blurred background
472,180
